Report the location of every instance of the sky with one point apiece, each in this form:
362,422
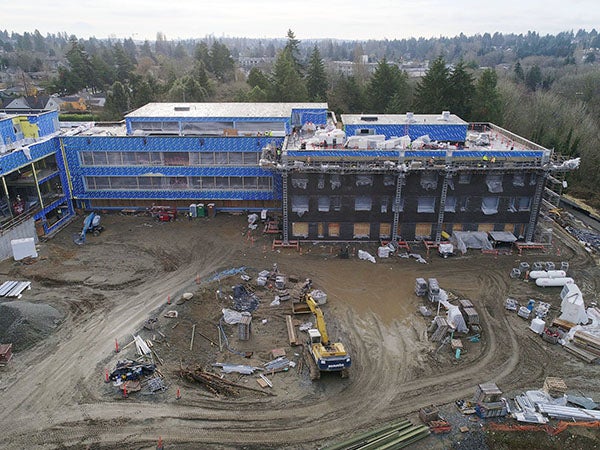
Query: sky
308,19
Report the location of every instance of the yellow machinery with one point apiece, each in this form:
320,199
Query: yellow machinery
324,356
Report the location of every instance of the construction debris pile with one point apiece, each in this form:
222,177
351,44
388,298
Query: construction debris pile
214,383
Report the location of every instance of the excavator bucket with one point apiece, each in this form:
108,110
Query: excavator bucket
78,238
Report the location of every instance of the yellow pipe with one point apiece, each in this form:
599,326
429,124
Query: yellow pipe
64,156
37,186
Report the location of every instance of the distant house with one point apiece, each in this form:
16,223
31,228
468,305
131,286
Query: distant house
30,104
72,103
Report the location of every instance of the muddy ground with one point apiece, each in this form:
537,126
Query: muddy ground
53,394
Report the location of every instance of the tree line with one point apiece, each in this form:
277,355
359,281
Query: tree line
549,93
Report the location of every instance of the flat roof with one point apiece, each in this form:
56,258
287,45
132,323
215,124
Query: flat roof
401,119
182,110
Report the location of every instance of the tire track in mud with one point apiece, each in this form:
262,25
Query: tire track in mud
386,380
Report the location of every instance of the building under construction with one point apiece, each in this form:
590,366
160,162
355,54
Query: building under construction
366,177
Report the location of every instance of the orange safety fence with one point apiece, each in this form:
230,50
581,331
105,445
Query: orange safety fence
549,429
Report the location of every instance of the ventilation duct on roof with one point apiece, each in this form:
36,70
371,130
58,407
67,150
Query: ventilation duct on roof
446,115
410,117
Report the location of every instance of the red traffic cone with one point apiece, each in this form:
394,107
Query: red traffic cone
178,394
168,300
106,379
124,391
116,346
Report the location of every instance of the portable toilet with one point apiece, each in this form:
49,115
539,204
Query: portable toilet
193,211
201,210
211,211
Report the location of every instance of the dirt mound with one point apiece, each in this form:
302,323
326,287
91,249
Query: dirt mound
24,323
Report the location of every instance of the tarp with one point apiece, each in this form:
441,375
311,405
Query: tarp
463,240
502,236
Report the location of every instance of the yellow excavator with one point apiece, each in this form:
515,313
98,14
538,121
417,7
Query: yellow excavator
323,356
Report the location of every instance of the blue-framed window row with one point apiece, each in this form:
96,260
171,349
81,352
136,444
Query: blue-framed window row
136,158
179,183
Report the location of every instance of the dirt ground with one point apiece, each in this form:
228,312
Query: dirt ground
53,394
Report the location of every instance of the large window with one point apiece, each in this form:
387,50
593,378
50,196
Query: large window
300,229
362,230
489,205
324,203
422,231
426,205
333,230
450,205
300,204
385,230
362,203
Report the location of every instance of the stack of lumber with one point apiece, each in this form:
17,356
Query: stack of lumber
587,342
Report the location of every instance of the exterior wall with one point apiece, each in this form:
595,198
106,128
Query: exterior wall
170,168
465,213
437,132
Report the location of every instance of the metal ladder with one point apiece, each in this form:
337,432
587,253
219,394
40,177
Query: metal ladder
535,207
284,205
440,220
397,199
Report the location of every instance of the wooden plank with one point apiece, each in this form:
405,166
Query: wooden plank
193,333
291,331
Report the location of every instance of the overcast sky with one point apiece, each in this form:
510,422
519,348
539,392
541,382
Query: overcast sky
342,19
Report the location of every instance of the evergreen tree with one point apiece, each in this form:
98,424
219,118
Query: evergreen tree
519,74
199,74
292,47
124,65
316,79
432,92
117,101
347,96
487,105
461,91
256,78
186,89
202,53
533,79
222,63
388,83
80,73
287,85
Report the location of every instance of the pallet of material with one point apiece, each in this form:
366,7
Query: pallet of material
471,316
554,386
564,324
440,329
465,303
588,357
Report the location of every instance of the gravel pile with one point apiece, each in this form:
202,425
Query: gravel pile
24,323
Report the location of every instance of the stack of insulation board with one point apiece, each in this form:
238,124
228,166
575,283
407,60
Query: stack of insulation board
488,401
14,288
